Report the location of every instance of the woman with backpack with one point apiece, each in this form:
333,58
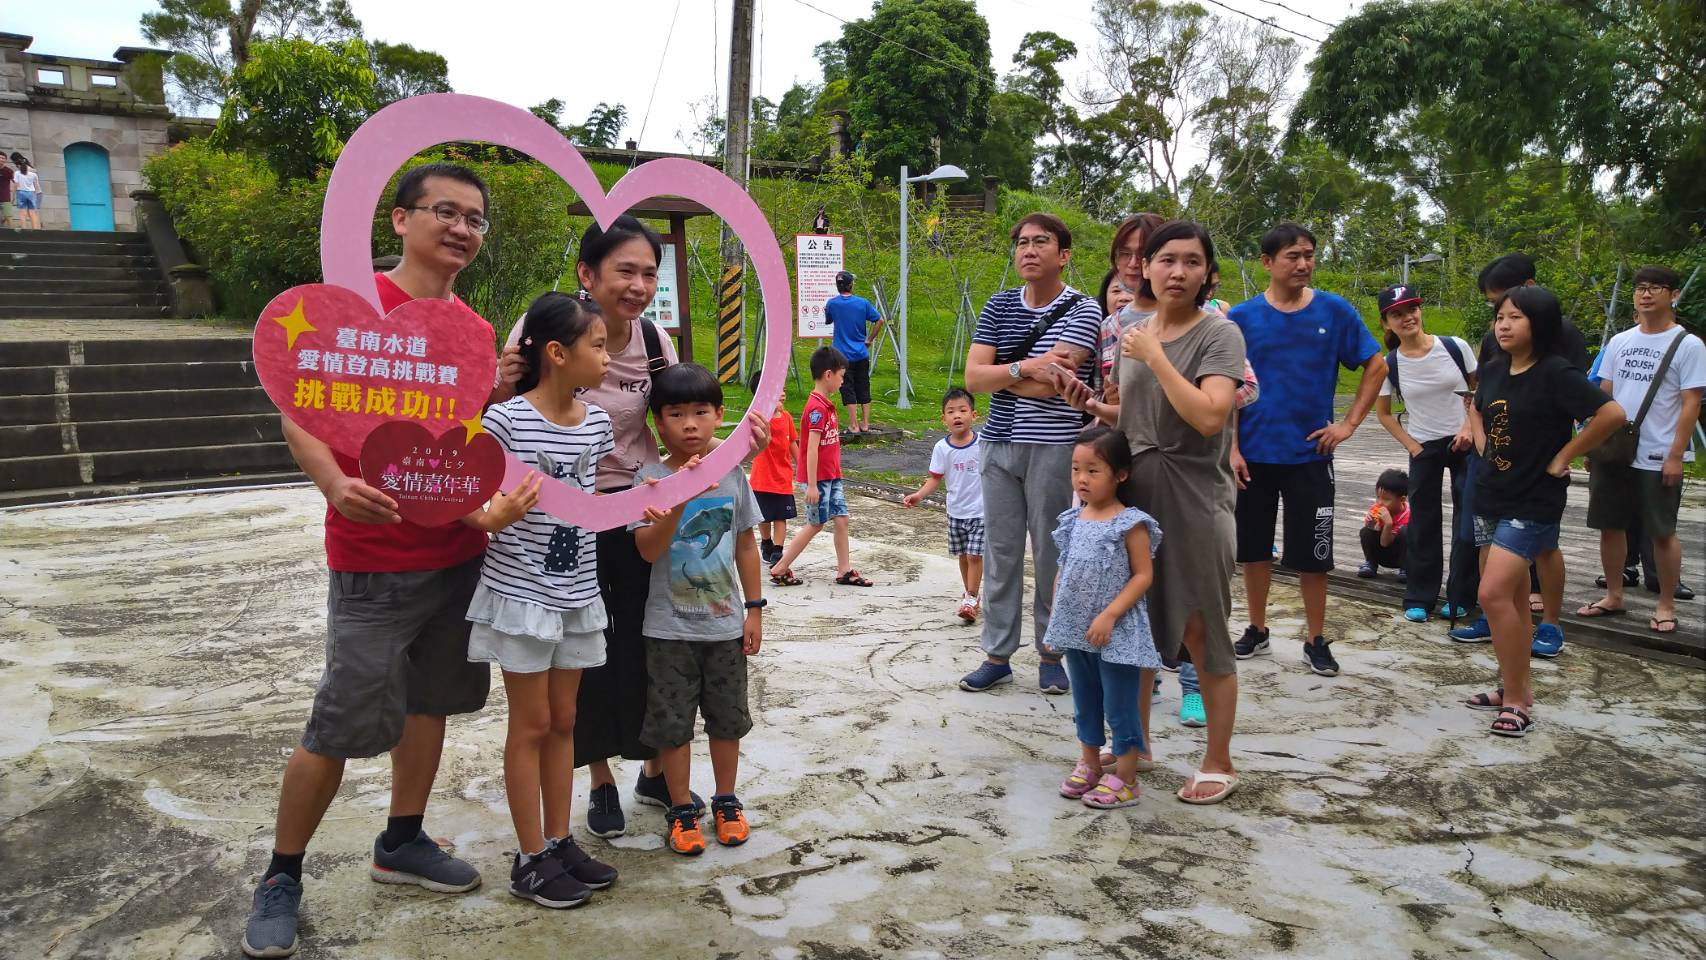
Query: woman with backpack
1433,376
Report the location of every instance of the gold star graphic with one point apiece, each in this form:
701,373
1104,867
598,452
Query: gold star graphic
295,323
473,427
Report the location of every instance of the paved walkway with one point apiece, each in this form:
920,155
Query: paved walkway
157,658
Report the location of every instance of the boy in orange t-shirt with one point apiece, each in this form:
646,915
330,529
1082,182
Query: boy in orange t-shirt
772,481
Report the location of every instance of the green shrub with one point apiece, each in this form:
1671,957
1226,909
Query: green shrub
256,235
259,235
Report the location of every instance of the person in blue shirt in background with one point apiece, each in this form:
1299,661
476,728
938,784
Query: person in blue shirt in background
856,324
1297,338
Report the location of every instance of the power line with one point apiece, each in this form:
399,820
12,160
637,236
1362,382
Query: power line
663,57
1266,22
1275,3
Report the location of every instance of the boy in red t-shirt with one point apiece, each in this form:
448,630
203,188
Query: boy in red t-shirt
773,483
396,613
820,471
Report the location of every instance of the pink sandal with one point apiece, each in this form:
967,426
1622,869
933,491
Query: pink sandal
1082,781
1110,794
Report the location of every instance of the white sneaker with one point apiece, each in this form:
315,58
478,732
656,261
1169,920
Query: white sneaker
968,608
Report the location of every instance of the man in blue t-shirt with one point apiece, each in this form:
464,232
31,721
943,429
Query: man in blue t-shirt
1297,338
856,324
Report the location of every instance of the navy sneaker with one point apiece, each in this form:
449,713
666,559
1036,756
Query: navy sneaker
1051,677
581,865
1403,575
1320,658
1368,571
1254,643
985,676
271,931
544,880
1477,632
654,792
604,812
1548,641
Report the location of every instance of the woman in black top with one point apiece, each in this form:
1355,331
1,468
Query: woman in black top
1525,408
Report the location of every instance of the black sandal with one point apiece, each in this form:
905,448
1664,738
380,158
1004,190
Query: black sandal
854,578
1484,701
1513,722
785,579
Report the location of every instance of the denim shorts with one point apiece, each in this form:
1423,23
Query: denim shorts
1525,538
831,503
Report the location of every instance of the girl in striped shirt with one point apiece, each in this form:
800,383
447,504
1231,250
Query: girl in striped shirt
537,612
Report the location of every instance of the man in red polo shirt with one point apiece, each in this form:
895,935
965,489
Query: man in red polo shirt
396,611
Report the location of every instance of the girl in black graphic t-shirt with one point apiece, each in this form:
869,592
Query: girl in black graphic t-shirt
1525,408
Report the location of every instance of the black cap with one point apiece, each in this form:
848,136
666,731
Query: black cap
1398,295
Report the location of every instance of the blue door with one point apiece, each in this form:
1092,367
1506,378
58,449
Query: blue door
89,185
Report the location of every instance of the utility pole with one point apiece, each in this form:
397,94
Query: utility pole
737,135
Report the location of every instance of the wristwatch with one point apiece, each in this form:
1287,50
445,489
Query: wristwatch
758,604
1015,371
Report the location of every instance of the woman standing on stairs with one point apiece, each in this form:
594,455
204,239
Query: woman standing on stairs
26,183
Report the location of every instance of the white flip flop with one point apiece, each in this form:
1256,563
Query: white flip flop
1229,779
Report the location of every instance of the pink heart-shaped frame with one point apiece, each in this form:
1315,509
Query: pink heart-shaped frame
390,137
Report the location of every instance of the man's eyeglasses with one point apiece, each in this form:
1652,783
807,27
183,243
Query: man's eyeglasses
1650,288
448,215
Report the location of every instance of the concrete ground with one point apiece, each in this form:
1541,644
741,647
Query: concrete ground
157,658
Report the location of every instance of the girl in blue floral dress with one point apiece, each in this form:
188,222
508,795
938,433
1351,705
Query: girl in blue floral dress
1100,622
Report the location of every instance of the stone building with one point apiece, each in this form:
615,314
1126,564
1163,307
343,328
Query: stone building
86,125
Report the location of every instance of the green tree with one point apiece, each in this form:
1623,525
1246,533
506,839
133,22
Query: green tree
1176,112
401,71
295,102
212,39
603,126
1456,88
918,75
790,129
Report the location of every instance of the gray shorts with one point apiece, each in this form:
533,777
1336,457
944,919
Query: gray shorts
396,643
688,676
514,653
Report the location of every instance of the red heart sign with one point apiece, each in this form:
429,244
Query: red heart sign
434,480
338,369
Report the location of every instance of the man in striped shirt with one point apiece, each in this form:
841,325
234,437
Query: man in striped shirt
1026,339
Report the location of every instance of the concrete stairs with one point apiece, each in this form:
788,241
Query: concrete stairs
93,418
49,274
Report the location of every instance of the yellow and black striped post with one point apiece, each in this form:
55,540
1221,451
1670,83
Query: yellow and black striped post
729,315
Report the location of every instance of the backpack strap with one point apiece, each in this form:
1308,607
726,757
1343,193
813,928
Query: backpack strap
1659,376
1456,352
1049,319
655,360
1392,374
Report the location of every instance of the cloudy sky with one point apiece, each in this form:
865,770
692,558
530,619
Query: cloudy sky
587,51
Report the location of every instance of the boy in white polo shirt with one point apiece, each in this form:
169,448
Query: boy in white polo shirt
956,460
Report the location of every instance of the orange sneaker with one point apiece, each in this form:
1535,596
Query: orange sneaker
732,829
684,835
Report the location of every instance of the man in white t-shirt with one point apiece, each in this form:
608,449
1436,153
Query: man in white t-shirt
1651,487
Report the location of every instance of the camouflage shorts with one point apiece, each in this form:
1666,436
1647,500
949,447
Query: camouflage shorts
687,675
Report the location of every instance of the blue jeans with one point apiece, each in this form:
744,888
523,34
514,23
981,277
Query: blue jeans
1105,691
1188,683
1527,539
